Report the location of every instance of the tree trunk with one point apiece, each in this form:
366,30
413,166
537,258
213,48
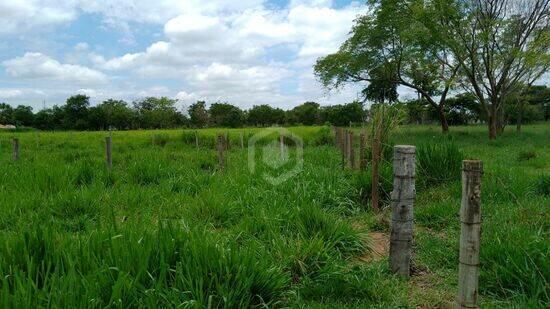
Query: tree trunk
443,120
492,121
520,117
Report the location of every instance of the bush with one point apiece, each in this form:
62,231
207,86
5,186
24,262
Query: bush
438,163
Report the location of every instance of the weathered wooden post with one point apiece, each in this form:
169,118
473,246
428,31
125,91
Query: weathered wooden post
341,139
108,152
242,140
221,147
282,145
196,139
344,148
470,232
363,151
226,139
374,171
15,149
351,151
402,199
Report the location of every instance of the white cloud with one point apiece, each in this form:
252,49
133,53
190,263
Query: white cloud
40,66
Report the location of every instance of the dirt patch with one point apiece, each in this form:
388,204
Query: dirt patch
379,244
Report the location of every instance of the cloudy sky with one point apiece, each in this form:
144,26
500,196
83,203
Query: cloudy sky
244,52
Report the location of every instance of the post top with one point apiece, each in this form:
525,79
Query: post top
404,148
472,165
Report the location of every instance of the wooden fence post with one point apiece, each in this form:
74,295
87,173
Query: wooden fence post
344,148
363,151
226,139
470,232
221,147
351,151
15,149
282,145
402,199
242,140
341,139
196,139
374,171
108,152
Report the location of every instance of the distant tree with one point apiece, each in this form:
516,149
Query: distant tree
343,115
500,45
76,112
306,114
44,120
6,114
225,115
265,115
156,113
23,116
117,114
198,115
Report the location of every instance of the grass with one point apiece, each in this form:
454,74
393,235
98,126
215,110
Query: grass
166,227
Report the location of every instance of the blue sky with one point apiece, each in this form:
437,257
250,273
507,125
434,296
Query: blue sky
244,52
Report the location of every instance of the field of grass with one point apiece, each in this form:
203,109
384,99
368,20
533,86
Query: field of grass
167,227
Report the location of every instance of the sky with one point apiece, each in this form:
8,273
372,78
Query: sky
245,52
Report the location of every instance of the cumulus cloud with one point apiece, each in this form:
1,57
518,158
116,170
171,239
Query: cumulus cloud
40,66
246,52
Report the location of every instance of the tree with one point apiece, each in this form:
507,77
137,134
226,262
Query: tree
225,115
306,114
6,114
265,115
117,114
198,114
499,44
23,116
157,113
391,46
343,115
76,112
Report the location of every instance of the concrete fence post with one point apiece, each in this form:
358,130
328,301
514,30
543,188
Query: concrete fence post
470,234
402,200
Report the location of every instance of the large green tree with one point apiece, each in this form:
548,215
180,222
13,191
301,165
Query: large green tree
391,46
225,115
499,44
198,114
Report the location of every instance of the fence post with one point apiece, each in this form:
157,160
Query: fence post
374,170
402,199
470,232
108,152
196,139
344,148
221,147
15,149
226,139
242,140
351,151
341,139
362,151
282,145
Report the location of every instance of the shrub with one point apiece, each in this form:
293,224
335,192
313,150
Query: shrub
438,163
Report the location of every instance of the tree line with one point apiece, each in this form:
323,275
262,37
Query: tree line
161,113
494,50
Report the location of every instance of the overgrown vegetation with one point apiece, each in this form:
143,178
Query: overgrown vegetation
167,228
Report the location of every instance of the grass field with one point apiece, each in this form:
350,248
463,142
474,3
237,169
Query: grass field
167,227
